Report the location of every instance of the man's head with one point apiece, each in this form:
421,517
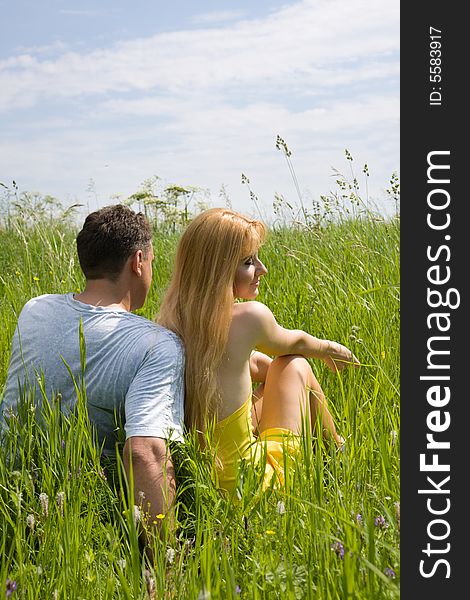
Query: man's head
109,237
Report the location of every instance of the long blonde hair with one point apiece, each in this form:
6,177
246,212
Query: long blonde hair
199,301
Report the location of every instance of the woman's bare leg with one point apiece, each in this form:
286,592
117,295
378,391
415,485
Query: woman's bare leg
319,410
259,366
257,406
292,392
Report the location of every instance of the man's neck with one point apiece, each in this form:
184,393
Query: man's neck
103,292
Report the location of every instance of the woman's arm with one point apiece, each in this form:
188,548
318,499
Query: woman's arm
271,338
259,365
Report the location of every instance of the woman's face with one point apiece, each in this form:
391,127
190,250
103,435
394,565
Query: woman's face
247,277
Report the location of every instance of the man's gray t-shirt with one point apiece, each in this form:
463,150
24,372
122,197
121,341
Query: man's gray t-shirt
134,367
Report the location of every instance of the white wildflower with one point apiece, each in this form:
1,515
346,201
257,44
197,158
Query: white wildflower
150,582
170,555
31,522
60,501
44,500
137,515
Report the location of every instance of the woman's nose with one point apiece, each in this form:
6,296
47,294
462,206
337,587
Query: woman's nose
260,268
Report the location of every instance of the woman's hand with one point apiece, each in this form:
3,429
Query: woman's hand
337,357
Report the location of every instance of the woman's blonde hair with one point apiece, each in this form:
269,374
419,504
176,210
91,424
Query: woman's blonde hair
199,301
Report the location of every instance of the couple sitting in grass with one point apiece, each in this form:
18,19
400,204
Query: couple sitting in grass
138,368
228,345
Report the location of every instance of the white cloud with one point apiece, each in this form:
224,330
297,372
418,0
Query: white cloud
218,16
79,12
201,106
302,45
54,47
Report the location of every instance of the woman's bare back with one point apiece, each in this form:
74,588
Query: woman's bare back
233,375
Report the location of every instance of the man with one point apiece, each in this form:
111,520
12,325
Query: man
133,366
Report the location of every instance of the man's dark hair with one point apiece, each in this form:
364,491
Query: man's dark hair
109,236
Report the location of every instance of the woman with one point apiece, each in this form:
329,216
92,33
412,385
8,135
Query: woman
227,344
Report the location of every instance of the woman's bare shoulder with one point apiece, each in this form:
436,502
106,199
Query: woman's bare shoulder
252,308
252,318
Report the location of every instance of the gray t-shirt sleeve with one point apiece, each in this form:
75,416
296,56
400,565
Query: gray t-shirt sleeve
154,403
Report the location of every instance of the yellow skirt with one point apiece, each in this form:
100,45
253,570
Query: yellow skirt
235,442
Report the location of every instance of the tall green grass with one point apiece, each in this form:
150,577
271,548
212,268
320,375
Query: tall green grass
333,532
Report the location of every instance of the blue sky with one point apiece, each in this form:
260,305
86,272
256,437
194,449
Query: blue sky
96,97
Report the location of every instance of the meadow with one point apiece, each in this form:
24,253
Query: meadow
67,532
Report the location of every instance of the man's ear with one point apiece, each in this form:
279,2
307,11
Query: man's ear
137,260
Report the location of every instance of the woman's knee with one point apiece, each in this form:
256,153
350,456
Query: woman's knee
286,399
293,364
